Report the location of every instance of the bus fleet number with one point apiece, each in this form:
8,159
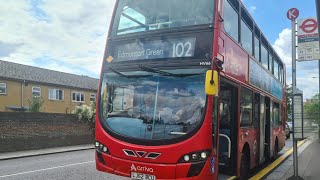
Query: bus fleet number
182,49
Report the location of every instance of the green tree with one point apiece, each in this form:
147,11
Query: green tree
289,102
312,109
35,104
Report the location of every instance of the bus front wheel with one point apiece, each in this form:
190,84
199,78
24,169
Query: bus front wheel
245,165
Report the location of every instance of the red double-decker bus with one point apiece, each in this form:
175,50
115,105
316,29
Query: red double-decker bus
189,89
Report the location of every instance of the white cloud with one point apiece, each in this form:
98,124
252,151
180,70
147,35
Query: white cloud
283,46
305,70
71,31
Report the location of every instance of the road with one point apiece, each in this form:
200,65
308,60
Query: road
75,165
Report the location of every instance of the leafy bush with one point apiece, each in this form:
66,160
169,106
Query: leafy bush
85,113
35,104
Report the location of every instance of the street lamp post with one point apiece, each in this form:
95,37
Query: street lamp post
318,17
318,101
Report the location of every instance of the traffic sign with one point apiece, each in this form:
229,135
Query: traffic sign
293,14
309,26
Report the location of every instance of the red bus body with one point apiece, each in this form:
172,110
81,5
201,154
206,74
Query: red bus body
167,166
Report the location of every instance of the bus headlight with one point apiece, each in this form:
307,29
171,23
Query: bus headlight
97,144
204,155
101,148
195,156
186,158
105,149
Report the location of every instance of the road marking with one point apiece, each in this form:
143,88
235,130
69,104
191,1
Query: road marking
27,172
232,177
275,164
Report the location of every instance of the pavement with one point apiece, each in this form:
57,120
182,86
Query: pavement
21,154
308,163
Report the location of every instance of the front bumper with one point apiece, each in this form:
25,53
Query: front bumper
122,167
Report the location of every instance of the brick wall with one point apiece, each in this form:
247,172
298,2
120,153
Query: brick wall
28,131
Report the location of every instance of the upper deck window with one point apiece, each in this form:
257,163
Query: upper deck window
256,48
246,37
276,69
264,57
231,22
270,62
146,15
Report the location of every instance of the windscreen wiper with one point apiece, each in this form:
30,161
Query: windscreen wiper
127,76
164,73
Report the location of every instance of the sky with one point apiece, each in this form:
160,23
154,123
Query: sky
70,36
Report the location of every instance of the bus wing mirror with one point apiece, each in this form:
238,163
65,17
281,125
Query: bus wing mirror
211,84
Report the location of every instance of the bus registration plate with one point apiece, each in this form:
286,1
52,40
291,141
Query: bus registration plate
139,176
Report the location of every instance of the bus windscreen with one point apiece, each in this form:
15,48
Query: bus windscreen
152,107
146,15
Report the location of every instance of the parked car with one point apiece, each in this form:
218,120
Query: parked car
290,126
287,131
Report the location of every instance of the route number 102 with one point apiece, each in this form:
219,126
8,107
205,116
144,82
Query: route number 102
182,49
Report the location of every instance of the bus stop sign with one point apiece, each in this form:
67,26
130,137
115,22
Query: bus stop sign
293,14
309,26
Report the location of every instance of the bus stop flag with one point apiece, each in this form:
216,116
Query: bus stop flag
308,39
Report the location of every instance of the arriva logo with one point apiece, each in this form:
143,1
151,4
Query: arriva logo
139,168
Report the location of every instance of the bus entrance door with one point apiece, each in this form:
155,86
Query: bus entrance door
262,128
228,127
268,129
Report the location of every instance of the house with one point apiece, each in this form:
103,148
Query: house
61,92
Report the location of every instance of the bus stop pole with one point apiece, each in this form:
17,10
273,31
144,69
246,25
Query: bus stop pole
295,162
294,88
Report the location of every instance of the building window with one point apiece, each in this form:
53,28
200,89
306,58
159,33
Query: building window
246,37
36,91
3,88
245,107
92,97
231,23
56,94
78,96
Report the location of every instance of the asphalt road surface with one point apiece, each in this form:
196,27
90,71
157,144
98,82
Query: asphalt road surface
75,165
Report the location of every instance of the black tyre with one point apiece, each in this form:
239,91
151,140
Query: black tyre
288,136
245,165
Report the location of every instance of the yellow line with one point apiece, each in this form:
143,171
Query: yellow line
232,177
272,166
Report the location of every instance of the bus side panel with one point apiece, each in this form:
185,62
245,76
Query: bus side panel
236,60
250,135
278,133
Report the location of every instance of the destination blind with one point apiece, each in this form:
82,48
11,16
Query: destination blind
168,48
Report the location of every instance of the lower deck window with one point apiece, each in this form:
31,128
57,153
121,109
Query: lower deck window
276,115
245,107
